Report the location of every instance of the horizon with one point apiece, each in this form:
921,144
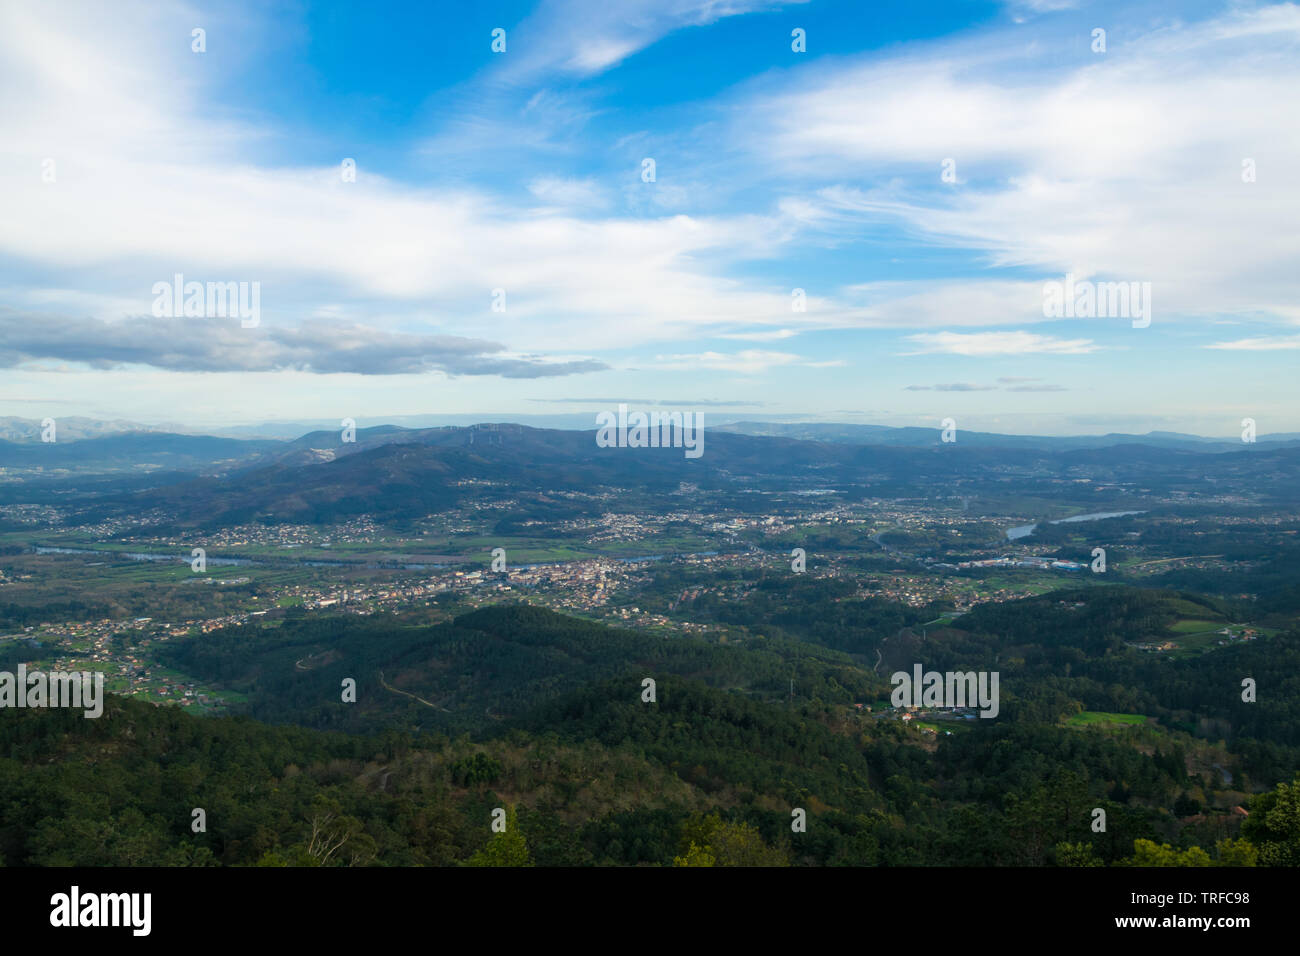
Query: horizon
283,429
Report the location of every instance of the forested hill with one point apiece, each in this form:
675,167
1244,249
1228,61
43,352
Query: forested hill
702,777
486,665
1057,655
560,728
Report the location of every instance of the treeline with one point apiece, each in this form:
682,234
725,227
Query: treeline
14,615
701,777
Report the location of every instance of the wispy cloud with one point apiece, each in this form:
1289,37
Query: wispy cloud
1022,9
968,387
998,343
586,37
748,361
131,204
1073,162
955,387
1261,344
557,191
775,335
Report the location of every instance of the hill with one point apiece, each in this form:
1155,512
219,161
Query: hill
483,667
433,470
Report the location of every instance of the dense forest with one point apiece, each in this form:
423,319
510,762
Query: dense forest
710,779
763,749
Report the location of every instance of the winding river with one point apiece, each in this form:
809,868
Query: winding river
1025,530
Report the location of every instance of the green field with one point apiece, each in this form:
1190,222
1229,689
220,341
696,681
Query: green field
1093,718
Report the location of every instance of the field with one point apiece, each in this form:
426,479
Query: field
1095,718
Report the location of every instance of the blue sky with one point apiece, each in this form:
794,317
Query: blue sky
129,158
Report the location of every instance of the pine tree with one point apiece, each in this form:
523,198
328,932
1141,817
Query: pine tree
507,848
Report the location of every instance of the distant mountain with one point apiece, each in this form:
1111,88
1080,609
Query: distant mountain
325,435
398,475
328,444
282,430
131,451
68,429
290,430
922,437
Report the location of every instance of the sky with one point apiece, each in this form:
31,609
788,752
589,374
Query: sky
800,211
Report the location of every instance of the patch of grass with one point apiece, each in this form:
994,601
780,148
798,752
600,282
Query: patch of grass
1186,626
1093,718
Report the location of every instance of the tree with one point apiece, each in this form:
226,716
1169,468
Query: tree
338,838
695,856
1236,853
1076,854
1274,825
507,848
725,844
1147,853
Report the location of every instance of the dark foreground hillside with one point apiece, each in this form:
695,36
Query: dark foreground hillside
593,774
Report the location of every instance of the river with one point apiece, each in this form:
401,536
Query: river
1025,530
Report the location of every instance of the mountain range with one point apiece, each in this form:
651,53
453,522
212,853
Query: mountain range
397,474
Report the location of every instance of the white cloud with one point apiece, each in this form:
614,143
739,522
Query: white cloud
1022,8
1127,166
998,343
749,361
966,302
147,186
773,336
952,387
1123,167
1262,344
585,37
572,193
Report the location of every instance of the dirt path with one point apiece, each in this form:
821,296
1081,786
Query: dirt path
387,686
1189,557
